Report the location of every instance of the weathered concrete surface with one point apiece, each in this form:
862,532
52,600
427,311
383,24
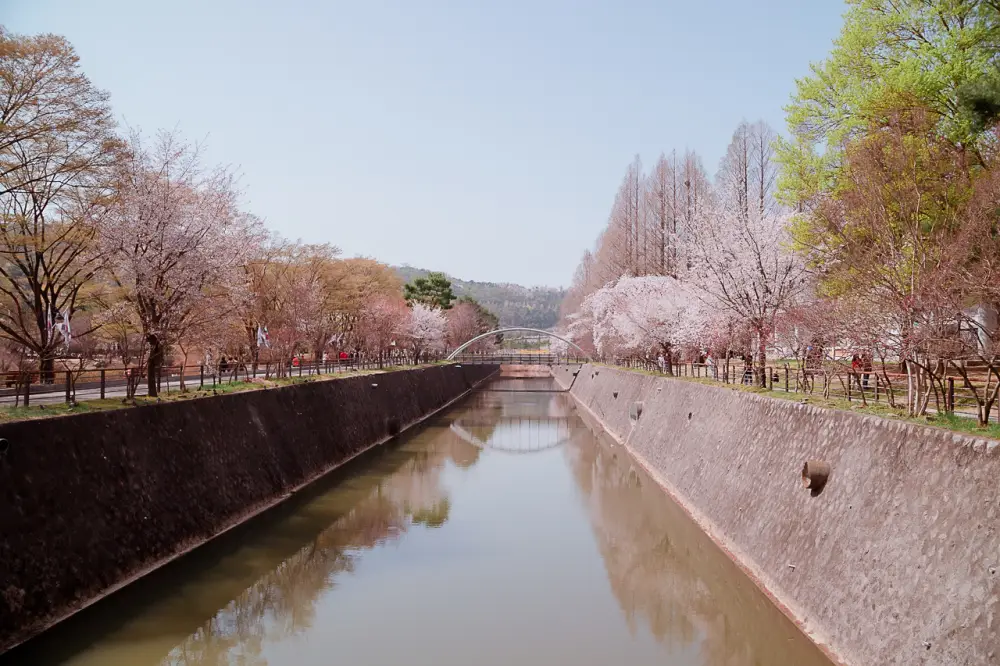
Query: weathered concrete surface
565,374
896,561
89,502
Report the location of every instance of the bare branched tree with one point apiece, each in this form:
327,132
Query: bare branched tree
56,150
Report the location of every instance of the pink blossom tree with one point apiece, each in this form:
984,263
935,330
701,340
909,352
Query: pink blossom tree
739,249
293,309
466,320
463,323
423,330
379,324
639,315
175,241
745,266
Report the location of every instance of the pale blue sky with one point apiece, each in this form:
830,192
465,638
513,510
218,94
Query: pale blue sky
486,139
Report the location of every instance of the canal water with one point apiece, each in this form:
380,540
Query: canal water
504,532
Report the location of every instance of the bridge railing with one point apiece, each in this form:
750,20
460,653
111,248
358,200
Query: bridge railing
519,359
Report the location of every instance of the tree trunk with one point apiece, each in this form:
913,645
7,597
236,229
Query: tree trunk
668,359
909,389
154,366
183,385
984,412
761,360
47,370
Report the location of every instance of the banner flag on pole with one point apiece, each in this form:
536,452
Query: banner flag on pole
263,339
66,331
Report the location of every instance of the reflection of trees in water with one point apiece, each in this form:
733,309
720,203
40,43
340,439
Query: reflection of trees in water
434,516
282,603
665,572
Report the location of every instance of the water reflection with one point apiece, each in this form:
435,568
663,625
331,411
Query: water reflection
524,420
667,575
441,551
281,604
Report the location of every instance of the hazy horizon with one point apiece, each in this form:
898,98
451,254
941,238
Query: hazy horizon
485,142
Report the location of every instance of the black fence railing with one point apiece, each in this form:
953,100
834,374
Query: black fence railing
879,383
19,388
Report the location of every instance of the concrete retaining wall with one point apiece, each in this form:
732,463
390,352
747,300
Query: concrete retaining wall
89,502
565,374
896,561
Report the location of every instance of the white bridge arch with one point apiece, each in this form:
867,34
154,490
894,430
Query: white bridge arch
516,329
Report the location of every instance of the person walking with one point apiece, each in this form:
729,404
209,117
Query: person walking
713,372
866,367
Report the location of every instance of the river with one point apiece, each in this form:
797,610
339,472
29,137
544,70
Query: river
503,532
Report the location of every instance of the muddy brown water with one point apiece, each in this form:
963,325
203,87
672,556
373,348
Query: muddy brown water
504,532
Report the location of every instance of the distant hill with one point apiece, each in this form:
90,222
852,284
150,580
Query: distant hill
535,307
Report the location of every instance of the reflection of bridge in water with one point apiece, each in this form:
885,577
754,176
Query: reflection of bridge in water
516,434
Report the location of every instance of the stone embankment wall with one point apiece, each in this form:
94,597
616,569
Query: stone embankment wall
90,502
895,561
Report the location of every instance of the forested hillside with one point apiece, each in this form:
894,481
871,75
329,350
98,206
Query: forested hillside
536,307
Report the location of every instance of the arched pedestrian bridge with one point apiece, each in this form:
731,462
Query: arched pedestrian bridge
572,354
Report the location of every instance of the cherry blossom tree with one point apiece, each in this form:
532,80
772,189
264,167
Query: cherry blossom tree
466,320
641,315
293,311
746,266
463,324
579,327
378,327
424,330
175,241
740,248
